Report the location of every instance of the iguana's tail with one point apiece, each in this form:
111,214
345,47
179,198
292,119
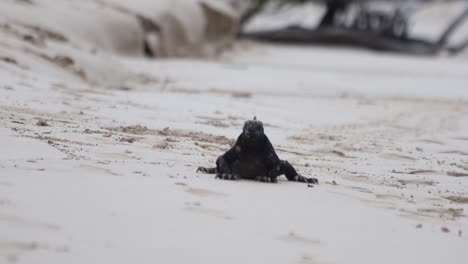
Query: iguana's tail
208,170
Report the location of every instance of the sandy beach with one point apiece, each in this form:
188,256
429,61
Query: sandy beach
99,152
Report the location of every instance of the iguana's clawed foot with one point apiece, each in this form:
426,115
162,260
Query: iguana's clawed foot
227,176
300,178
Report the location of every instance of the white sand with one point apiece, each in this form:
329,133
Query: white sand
391,131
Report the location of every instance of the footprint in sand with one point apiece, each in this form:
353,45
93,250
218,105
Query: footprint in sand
361,189
417,182
418,172
461,138
457,174
458,199
394,156
98,169
358,178
436,213
197,208
298,239
432,141
459,152
204,192
30,246
307,259
13,220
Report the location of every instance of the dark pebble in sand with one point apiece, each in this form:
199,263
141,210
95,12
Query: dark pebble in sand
42,123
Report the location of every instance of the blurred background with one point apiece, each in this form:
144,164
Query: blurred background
208,28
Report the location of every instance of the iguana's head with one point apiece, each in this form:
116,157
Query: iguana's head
253,129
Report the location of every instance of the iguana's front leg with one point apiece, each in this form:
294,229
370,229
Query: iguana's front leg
224,170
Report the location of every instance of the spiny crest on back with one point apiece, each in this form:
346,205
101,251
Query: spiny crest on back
253,124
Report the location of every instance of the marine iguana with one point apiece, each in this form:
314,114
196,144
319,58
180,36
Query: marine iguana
253,157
